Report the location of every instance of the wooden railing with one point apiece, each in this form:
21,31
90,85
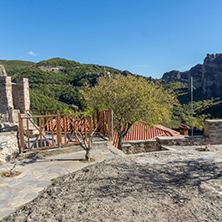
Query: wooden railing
51,129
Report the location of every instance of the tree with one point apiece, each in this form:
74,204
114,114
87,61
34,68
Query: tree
81,117
132,98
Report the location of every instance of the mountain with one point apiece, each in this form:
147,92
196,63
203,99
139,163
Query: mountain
207,80
207,76
55,83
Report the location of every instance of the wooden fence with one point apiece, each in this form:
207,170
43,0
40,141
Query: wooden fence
50,129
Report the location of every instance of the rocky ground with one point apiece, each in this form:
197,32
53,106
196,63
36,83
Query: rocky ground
164,186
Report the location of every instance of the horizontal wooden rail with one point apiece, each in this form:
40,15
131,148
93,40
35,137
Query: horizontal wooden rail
40,116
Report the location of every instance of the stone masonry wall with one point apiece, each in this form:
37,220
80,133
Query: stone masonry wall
21,95
212,135
6,102
8,146
143,146
183,141
5,94
140,146
15,96
213,131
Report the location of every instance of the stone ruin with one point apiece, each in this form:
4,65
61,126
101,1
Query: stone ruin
14,97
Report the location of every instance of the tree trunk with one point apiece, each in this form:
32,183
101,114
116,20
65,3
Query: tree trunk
87,156
120,145
88,149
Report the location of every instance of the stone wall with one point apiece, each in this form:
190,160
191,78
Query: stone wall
212,135
8,146
140,146
13,96
6,102
213,131
5,94
20,93
183,141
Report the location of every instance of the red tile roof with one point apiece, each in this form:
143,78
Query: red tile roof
141,131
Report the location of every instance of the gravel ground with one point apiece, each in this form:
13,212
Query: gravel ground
164,186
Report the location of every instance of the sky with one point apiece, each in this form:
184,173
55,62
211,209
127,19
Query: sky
145,37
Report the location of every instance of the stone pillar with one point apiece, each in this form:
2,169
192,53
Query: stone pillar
22,100
15,95
6,101
213,130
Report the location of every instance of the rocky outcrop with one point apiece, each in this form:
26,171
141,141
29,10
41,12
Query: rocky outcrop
176,76
196,72
212,76
207,77
2,71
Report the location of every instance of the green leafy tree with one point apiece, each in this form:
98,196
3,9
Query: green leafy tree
131,98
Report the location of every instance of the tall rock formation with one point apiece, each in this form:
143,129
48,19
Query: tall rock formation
212,76
207,77
196,72
176,76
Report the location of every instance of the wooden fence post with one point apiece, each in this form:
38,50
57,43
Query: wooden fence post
104,123
97,118
90,124
64,126
109,123
21,133
45,119
85,128
59,136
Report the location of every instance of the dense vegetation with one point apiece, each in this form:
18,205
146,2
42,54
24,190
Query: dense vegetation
203,108
56,83
131,99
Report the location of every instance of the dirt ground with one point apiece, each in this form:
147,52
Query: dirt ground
163,186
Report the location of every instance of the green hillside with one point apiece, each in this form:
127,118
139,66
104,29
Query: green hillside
55,84
203,108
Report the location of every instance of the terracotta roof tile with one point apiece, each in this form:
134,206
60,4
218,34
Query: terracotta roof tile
141,131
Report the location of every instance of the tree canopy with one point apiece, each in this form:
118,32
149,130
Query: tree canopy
131,98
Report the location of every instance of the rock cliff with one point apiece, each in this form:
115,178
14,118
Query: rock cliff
207,77
176,76
212,75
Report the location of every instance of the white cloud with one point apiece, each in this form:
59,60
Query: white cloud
32,53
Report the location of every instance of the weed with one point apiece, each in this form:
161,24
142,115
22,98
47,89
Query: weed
10,172
202,149
54,179
84,160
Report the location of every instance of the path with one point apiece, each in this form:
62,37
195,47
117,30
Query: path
37,174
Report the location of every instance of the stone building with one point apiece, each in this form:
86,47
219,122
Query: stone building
14,97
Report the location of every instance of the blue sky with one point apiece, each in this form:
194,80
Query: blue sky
147,37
